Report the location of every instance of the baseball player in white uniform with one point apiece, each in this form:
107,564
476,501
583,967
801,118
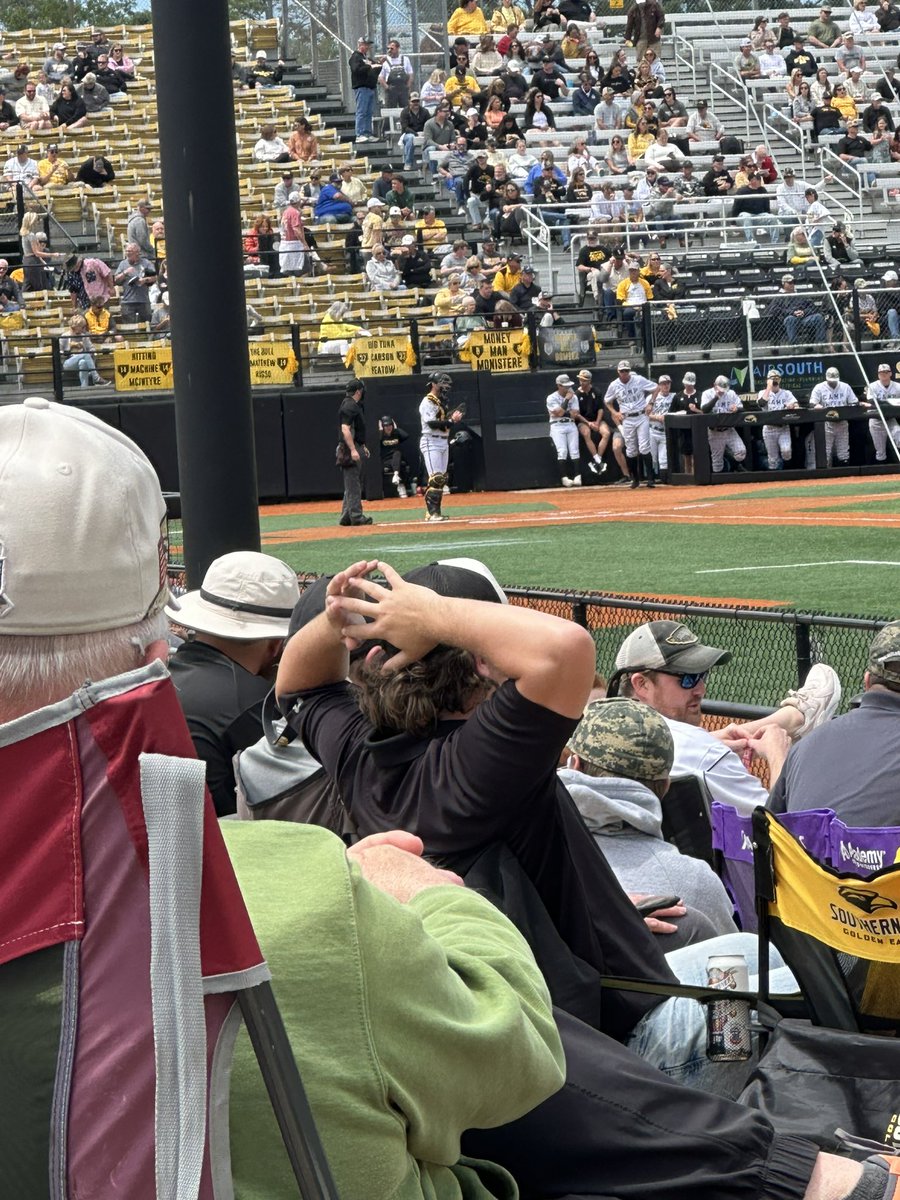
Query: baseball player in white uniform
562,405
832,394
721,398
656,411
435,441
777,438
630,394
886,391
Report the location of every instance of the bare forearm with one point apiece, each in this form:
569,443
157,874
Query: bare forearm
313,657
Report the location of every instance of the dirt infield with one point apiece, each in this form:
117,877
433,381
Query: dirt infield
728,504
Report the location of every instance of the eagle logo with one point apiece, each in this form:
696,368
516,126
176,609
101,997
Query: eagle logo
750,418
865,898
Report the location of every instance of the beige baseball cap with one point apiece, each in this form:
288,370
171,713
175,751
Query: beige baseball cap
82,524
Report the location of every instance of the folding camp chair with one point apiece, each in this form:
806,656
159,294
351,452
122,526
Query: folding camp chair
126,960
686,816
839,934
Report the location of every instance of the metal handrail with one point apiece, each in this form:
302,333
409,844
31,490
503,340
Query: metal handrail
40,206
328,29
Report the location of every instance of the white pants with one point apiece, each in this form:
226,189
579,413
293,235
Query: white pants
837,441
435,453
778,444
721,440
658,448
879,436
564,435
635,429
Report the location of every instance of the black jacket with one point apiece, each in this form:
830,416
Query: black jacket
412,121
362,74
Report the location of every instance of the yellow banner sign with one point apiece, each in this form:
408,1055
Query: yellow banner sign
381,356
272,363
856,916
148,369
498,350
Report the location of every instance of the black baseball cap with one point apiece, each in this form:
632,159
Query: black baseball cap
387,419
460,578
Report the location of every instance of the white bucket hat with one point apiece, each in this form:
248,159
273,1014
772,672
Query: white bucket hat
245,595
82,524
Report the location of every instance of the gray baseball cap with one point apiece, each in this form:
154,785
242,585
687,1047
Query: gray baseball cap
667,646
884,653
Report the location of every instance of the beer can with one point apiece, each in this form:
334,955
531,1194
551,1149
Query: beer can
728,1021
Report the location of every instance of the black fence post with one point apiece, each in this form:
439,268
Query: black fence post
647,332
534,357
804,647
857,325
414,338
579,613
295,346
20,208
56,361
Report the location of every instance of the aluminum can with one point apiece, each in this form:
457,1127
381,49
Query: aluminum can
728,1037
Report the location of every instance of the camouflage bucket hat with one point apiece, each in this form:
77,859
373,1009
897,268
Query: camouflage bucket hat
884,653
624,738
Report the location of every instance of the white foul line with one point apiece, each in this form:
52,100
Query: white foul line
832,562
429,547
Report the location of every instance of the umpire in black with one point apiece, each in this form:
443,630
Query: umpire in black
351,451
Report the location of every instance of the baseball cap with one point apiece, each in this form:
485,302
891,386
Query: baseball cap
832,373
387,419
514,68
514,257
884,367
529,267
686,162
395,211
721,381
669,646
409,240
884,653
22,149
607,91
414,96
788,171
773,374
789,278
689,377
624,364
543,296
260,54
584,373
287,174
81,524
461,578
718,158
374,202
245,595
889,277
624,738
664,379
562,380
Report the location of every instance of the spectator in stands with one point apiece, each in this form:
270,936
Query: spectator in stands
265,74
838,248
764,164
820,87
94,94
545,15
461,86
664,665
799,251
238,621
77,351
548,195
585,98
57,66
109,77
631,295
644,27
332,204
437,134
672,115
8,117
448,300
664,153
744,169
68,110
96,171
507,13
433,91
667,287
876,112
746,62
526,290
848,55
138,229
771,62
687,186
856,89
120,61
21,167
862,20
617,772
14,81
32,110
431,232
395,76
270,147
373,223
575,44
827,114
474,131
889,303
486,299
888,86
398,194
53,169
800,59
160,322
239,75
853,149
100,321
479,191
888,16
413,118
303,145
881,140
414,264
486,60
868,311
10,290
353,187
801,319
468,18
823,32
363,79
802,105
95,282
717,183
760,32
453,170
134,275
639,141
792,87
550,81
382,272
850,763
703,125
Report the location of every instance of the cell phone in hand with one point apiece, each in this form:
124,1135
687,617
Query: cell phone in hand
652,904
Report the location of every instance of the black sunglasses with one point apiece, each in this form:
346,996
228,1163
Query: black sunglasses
686,681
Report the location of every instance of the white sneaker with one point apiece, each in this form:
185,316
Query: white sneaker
395,478
436,517
817,700
446,490
401,491
567,482
576,482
